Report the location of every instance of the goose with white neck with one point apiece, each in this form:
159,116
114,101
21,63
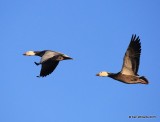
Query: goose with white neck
128,73
49,60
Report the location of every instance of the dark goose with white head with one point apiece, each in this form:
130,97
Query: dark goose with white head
49,61
128,73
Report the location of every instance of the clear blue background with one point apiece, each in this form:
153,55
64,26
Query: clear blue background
96,33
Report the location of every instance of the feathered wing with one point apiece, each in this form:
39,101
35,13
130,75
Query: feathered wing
48,55
48,67
132,57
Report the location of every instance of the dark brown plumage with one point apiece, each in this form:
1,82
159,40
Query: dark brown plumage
129,71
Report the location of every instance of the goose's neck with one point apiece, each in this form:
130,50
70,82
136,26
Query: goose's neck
111,75
39,53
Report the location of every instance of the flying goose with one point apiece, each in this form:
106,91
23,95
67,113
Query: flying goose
49,60
128,73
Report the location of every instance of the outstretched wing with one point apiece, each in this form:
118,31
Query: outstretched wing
132,57
48,67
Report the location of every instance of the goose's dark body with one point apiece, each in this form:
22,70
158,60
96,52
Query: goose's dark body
128,79
49,60
129,71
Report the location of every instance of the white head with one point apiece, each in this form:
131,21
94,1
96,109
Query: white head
102,74
29,53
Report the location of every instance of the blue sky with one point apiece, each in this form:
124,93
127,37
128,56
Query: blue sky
96,33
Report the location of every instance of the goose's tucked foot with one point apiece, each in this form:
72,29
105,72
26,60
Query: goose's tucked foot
38,76
37,63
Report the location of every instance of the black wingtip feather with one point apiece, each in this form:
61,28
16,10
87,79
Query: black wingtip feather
135,38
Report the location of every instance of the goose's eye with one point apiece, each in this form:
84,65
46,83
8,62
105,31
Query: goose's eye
60,58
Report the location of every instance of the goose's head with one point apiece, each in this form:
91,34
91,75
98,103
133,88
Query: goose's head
66,57
62,57
102,74
29,53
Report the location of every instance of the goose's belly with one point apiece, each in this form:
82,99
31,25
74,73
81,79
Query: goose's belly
129,79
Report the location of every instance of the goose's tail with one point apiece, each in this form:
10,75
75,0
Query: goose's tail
143,80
